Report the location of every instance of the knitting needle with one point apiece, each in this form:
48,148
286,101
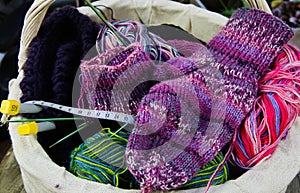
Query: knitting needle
44,120
80,127
201,5
250,3
109,25
264,6
119,130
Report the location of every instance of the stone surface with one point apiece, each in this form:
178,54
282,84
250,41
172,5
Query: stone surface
10,176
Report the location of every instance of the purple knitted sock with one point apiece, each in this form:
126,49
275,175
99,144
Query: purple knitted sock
183,123
90,70
109,79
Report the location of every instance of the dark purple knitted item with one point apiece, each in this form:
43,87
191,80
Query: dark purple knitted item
169,120
54,55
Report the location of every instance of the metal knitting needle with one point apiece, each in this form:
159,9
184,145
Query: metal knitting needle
45,120
200,4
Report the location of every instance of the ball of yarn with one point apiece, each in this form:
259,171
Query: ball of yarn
133,31
274,112
101,158
202,178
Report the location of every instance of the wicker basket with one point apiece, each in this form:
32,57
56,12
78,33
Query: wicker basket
40,174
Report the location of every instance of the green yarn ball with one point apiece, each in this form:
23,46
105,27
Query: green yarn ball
101,158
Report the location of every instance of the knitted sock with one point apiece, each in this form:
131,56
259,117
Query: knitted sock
110,83
183,123
90,70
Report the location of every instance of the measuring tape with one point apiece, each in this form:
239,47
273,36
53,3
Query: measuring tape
114,116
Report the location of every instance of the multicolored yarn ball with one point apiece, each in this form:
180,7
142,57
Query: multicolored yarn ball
274,112
188,49
101,158
202,178
135,32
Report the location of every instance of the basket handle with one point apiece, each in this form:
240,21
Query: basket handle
32,23
259,4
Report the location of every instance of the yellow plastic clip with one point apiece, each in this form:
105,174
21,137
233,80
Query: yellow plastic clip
10,107
28,129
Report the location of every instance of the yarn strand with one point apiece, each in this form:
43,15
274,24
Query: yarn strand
274,112
109,25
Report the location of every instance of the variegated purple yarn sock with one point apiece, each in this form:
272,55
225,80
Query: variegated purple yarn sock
171,140
100,79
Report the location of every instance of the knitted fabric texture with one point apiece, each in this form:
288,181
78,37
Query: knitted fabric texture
54,55
100,74
165,149
90,71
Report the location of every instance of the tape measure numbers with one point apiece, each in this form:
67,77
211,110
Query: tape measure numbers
114,116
